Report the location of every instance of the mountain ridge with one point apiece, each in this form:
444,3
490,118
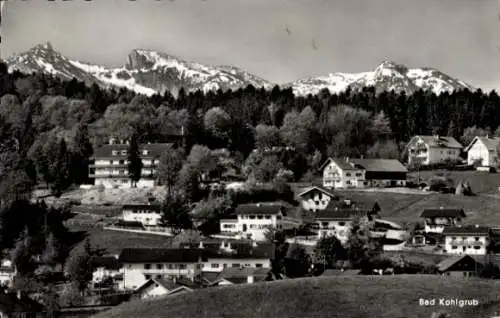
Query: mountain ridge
148,72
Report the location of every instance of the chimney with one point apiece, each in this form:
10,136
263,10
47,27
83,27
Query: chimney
250,279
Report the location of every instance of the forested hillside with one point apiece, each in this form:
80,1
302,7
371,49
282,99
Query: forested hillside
49,127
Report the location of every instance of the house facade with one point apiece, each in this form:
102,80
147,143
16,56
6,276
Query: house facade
337,219
483,151
7,273
471,240
157,288
429,150
147,214
362,173
109,164
142,264
254,219
436,220
316,198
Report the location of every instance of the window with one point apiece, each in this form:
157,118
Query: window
348,174
453,247
476,238
111,162
235,265
122,162
145,152
267,217
453,238
159,276
341,223
252,217
199,266
259,217
170,266
147,266
215,265
278,217
224,266
358,174
114,152
348,182
258,265
159,266
247,265
124,152
182,266
477,247
147,276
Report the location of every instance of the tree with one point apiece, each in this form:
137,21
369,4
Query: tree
59,168
134,161
189,182
298,262
175,214
330,249
361,248
217,123
266,137
22,255
471,132
386,149
79,267
81,151
381,126
169,165
267,169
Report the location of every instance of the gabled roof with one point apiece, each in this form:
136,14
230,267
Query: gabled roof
439,141
161,255
447,263
342,210
154,150
107,262
380,165
466,230
261,251
170,285
344,164
443,213
317,188
490,143
263,208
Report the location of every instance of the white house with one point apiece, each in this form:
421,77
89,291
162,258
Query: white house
337,219
254,219
147,214
142,264
109,164
472,240
316,198
7,273
483,150
429,150
361,173
436,220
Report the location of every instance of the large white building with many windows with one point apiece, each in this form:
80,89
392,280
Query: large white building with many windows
472,240
109,164
430,150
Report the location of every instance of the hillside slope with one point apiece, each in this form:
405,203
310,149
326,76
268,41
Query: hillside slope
332,297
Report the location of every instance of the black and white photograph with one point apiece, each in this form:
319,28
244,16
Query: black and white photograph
250,158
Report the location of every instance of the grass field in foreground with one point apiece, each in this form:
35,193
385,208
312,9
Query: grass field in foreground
332,297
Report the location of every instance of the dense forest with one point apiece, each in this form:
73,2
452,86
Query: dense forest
48,127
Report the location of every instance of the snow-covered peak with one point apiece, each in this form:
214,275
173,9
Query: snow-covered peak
387,76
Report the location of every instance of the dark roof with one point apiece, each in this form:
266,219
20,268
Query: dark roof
438,141
154,150
152,207
470,229
342,210
269,208
243,272
447,263
170,284
380,165
261,251
158,255
108,262
444,213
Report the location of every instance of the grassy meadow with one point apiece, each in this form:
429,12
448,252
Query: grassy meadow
333,297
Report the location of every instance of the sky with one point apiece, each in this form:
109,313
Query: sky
459,37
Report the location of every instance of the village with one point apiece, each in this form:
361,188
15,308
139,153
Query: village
244,248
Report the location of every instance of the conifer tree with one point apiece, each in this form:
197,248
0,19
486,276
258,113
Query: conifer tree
134,161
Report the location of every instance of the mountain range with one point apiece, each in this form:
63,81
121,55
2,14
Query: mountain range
148,72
